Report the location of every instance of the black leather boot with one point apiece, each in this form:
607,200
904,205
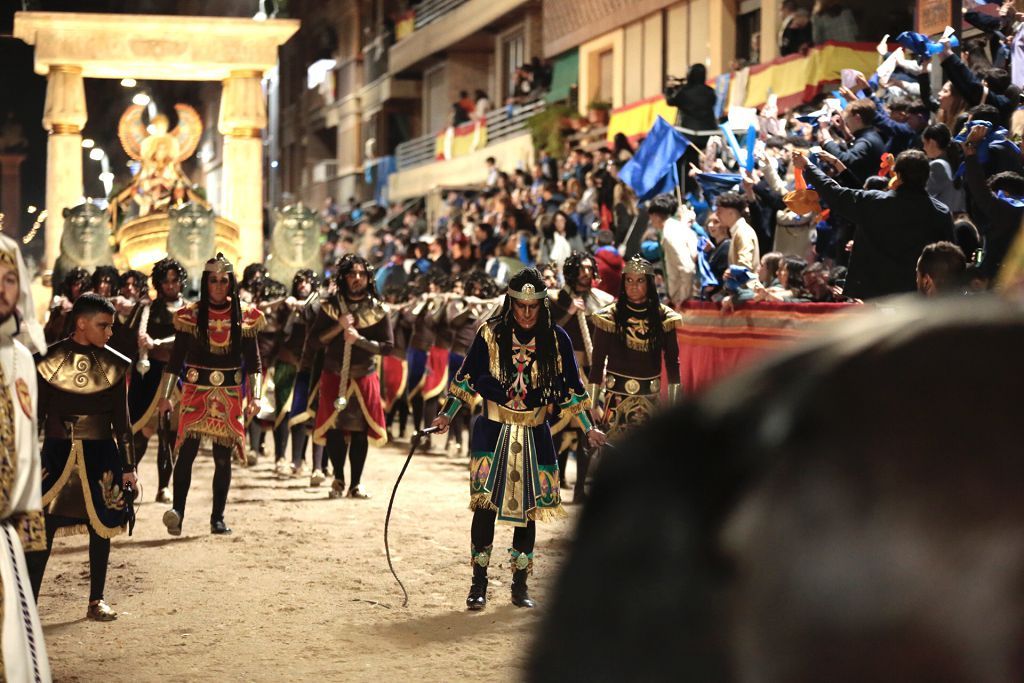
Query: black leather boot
477,599
520,592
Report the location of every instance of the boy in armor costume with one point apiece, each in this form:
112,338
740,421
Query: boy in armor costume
155,344
353,329
632,336
215,349
87,455
572,308
522,365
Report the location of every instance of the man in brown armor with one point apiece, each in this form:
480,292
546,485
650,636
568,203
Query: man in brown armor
571,309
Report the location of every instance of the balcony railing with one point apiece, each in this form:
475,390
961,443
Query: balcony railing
501,123
429,11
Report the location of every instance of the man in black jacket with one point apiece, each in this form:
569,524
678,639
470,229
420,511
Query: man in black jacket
864,154
892,227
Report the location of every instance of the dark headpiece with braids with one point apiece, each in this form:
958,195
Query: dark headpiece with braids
652,312
141,281
164,266
305,275
345,265
572,265
106,273
220,265
480,284
527,284
75,276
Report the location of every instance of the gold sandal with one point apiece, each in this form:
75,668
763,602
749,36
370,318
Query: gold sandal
100,611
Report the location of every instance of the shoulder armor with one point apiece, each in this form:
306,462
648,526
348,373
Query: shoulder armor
604,319
186,319
68,369
253,320
670,318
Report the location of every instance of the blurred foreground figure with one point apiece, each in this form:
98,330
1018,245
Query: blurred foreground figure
848,512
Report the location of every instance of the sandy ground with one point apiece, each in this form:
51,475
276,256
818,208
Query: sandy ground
301,590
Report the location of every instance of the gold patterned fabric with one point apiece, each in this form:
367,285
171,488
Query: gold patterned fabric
8,450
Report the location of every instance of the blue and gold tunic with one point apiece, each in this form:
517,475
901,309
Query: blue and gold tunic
513,468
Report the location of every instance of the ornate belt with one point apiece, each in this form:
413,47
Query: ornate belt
89,427
623,384
506,416
213,377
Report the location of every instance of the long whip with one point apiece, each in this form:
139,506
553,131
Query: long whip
417,438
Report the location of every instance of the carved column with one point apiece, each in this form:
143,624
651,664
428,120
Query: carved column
243,116
64,115
10,192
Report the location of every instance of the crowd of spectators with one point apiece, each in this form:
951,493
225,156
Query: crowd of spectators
892,169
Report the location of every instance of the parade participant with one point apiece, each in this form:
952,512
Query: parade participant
522,365
306,395
21,514
58,325
428,363
215,347
352,328
572,308
155,344
464,319
395,366
633,335
130,300
106,281
290,322
87,455
257,289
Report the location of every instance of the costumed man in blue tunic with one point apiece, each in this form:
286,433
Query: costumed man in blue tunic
523,367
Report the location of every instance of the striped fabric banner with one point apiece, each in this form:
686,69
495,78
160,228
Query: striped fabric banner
713,344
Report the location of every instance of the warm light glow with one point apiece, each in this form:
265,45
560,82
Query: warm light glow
106,177
141,99
31,208
88,143
128,83
273,164
96,154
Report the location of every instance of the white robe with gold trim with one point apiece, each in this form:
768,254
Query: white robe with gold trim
21,524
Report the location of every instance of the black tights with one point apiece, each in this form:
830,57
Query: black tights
164,464
399,409
99,557
221,476
356,446
481,534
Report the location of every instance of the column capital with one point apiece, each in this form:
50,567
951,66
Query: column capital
243,110
64,112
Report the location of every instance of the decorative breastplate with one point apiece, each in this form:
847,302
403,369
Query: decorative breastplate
80,373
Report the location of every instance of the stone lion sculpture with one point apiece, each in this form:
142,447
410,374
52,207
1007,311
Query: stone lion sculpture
192,237
295,243
85,242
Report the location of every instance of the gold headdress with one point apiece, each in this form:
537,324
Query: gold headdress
528,293
219,264
639,266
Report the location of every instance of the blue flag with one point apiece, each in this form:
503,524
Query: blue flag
714,184
652,170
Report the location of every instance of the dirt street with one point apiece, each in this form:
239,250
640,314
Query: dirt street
301,591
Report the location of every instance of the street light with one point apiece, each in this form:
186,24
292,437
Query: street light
88,143
141,99
128,83
96,154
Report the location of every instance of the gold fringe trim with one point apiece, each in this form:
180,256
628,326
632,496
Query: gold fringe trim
320,433
602,323
482,501
461,394
185,326
31,529
73,530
